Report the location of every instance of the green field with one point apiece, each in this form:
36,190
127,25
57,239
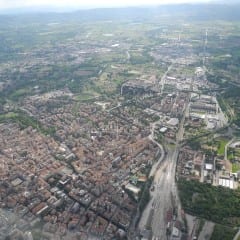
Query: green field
235,167
221,146
84,97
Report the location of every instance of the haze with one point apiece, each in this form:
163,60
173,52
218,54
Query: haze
8,4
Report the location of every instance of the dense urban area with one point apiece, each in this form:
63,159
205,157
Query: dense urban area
120,124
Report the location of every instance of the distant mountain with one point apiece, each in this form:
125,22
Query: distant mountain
186,11
42,9
213,11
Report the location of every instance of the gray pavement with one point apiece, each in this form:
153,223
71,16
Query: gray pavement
207,231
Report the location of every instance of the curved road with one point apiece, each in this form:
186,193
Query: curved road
165,197
165,193
151,137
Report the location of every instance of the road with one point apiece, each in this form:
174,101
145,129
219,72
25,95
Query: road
162,197
128,55
147,211
226,148
207,231
165,196
157,164
165,193
163,78
237,235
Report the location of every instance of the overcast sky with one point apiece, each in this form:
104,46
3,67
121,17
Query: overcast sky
8,4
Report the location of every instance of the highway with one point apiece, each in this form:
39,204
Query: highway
165,192
165,196
163,78
157,164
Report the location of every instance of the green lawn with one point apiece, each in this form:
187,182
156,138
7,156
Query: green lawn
235,167
237,152
221,147
8,115
84,97
233,153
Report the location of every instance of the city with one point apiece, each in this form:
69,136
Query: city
115,134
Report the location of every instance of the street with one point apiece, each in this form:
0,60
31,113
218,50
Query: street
165,197
165,191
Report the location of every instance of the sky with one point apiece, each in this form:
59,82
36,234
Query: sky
10,4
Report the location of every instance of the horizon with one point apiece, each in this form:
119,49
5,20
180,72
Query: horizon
64,5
